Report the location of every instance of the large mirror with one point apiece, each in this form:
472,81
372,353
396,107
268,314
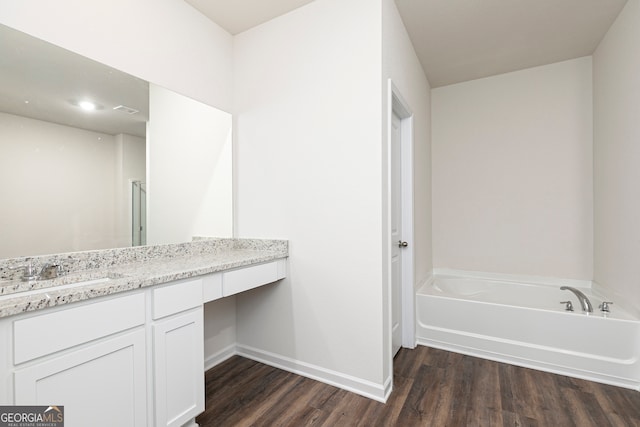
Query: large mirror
94,158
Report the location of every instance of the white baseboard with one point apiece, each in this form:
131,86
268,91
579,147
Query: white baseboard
364,388
379,392
388,388
219,357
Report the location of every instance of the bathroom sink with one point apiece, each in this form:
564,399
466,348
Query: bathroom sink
56,288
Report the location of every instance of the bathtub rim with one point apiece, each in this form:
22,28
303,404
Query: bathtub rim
595,287
593,315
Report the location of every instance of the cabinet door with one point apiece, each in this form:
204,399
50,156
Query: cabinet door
103,384
179,368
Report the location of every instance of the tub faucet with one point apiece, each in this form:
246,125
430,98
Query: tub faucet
584,301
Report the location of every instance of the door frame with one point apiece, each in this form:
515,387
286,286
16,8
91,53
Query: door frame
401,108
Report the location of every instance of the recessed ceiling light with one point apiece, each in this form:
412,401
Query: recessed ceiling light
86,105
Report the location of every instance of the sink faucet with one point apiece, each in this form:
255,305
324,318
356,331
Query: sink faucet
584,301
51,271
30,272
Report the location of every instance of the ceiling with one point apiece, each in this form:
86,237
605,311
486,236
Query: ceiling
455,40
460,40
236,16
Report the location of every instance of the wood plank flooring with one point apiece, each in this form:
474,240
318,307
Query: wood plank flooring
431,388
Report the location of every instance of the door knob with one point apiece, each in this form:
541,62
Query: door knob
402,244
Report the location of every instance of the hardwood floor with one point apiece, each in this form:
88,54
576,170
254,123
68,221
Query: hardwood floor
431,388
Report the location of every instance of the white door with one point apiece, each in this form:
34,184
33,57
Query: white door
396,234
179,361
100,385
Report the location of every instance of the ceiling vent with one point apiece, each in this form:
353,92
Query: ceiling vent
126,109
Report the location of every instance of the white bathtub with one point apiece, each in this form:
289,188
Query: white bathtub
526,325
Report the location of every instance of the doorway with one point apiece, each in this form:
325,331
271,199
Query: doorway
401,218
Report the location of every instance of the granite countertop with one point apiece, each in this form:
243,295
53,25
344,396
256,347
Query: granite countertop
120,270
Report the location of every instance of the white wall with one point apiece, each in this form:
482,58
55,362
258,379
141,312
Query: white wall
402,66
166,42
308,131
616,73
512,172
188,169
58,192
219,330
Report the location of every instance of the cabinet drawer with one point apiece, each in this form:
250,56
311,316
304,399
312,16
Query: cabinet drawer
247,278
176,298
47,333
212,287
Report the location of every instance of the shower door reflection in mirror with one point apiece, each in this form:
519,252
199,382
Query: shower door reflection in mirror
138,213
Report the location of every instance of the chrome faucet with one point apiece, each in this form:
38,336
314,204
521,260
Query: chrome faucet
51,271
584,301
30,271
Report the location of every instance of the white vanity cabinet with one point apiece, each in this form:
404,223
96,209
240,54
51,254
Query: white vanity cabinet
90,358
178,353
131,359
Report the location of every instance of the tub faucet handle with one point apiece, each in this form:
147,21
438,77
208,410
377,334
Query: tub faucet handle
604,307
568,305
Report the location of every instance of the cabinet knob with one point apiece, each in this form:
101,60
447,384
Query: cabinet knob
402,244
